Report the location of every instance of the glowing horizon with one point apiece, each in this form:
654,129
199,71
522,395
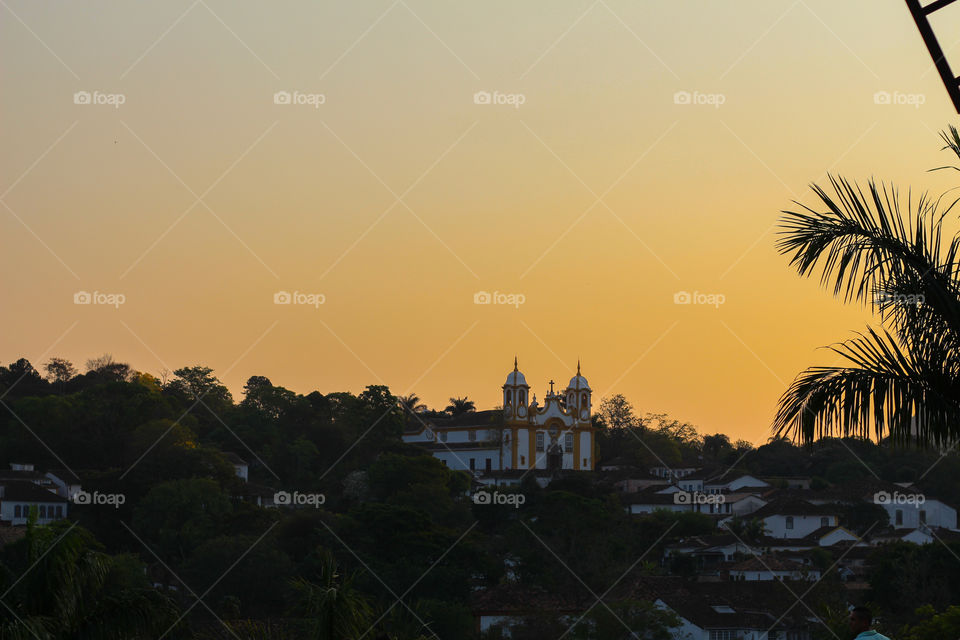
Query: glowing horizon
400,158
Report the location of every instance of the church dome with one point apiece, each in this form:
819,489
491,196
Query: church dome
578,381
515,378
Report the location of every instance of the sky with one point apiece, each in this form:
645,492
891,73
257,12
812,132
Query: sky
436,187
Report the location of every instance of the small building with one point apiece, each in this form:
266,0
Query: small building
240,466
793,518
17,498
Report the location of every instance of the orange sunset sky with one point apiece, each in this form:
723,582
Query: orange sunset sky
403,194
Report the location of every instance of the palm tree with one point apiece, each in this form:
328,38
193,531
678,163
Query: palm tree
901,381
60,585
338,610
460,406
412,404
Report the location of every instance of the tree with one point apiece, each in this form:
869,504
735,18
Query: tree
902,381
57,583
108,369
459,406
617,413
59,371
338,610
412,404
198,383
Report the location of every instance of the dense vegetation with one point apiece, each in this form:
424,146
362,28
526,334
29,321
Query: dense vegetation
396,550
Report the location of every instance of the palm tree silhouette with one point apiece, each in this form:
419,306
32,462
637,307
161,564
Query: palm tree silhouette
459,406
902,381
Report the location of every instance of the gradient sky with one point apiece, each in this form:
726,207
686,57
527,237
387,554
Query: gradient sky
597,199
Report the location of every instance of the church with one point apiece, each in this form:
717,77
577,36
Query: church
520,436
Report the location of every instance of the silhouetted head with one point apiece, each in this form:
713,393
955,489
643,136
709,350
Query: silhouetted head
860,619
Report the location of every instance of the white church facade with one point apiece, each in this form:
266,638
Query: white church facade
521,435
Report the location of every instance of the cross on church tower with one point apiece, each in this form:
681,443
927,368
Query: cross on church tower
551,387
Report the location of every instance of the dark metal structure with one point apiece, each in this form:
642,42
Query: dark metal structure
921,15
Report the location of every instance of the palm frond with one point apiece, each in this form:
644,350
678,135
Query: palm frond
887,391
872,246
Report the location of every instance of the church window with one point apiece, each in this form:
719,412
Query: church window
583,399
789,522
473,464
568,442
539,442
473,435
443,436
522,395
509,397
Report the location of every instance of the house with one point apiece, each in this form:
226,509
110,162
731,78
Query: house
18,497
508,605
907,506
744,610
513,477
766,568
640,481
240,466
708,551
65,482
788,482
794,518
734,482
25,472
522,435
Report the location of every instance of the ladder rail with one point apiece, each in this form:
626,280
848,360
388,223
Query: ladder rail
920,16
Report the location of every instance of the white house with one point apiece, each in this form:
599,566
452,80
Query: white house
17,498
795,518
